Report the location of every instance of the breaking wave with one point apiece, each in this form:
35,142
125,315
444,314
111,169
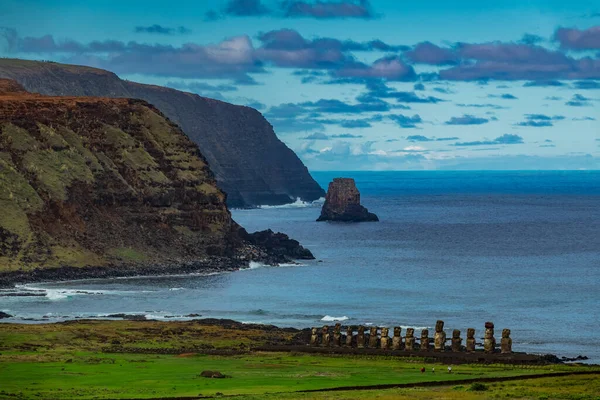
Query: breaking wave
292,264
256,265
299,203
61,294
329,318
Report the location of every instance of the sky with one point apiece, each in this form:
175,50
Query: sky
356,84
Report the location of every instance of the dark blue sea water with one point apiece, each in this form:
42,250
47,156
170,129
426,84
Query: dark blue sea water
521,249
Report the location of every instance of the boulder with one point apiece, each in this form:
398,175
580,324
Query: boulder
212,374
343,203
277,244
4,315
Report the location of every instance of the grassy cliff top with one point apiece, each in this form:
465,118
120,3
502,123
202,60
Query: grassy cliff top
35,65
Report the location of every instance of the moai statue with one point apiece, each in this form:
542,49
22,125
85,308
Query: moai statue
314,337
489,342
349,332
397,339
360,337
385,338
456,340
373,339
326,340
425,339
470,340
506,342
439,342
410,339
337,335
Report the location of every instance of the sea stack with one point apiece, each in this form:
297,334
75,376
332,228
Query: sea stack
343,203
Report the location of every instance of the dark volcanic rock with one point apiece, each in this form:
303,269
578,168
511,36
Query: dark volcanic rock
343,203
212,374
277,244
130,317
249,162
578,358
4,315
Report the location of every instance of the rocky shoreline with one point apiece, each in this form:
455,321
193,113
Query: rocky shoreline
267,247
67,273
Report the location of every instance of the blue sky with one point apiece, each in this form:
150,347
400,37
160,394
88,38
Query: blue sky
356,84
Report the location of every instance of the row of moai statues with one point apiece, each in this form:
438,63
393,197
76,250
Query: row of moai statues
384,341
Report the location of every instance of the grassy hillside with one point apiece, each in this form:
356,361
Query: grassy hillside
92,181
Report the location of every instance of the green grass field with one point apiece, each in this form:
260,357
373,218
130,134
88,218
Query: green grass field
586,387
62,361
93,375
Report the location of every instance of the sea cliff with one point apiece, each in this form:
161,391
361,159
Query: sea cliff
113,186
249,162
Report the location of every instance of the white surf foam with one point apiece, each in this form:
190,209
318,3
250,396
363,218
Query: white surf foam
156,316
57,294
176,289
329,318
299,203
61,294
256,265
292,265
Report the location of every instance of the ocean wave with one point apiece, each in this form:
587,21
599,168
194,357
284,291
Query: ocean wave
329,318
294,264
58,294
159,316
256,265
61,294
299,203
176,289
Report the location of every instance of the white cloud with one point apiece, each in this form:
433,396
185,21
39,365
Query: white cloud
414,148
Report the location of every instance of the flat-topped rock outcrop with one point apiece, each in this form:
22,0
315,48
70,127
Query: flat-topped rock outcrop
343,203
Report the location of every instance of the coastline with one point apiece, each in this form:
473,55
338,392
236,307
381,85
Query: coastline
209,265
256,337
267,247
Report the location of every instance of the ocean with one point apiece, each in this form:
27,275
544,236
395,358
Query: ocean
518,248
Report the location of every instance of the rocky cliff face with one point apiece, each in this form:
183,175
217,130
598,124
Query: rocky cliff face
101,182
343,203
250,163
86,181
